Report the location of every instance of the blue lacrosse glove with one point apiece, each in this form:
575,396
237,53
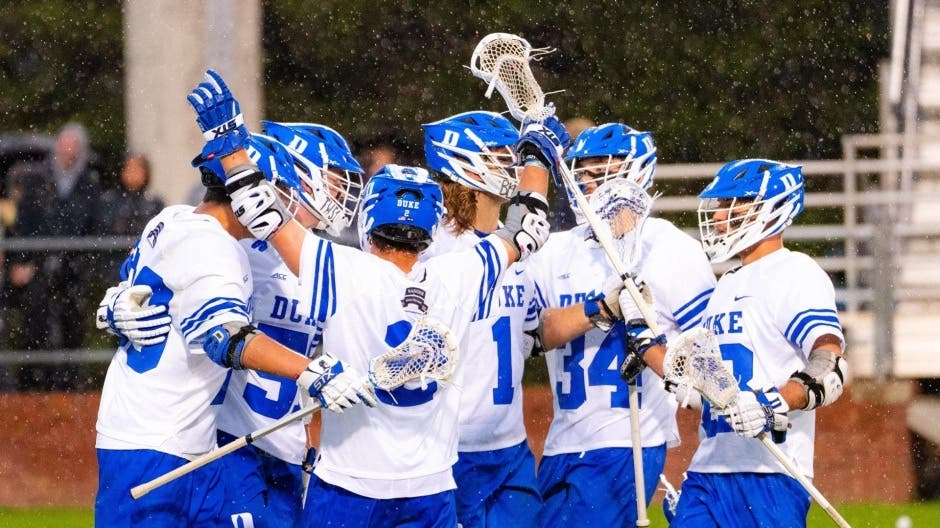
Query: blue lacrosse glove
558,128
756,412
219,117
639,338
539,145
310,460
335,386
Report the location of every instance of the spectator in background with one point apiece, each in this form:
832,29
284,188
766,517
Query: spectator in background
63,200
126,210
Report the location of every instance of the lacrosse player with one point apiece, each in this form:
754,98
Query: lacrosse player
155,410
775,320
393,466
586,475
495,472
263,480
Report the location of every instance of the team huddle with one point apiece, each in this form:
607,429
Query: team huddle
239,312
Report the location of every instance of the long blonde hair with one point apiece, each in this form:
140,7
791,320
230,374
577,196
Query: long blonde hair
461,204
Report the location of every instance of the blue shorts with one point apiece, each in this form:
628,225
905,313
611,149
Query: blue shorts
739,500
192,500
334,507
260,487
595,488
497,488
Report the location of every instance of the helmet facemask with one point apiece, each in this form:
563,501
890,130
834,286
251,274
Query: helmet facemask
486,170
743,222
331,194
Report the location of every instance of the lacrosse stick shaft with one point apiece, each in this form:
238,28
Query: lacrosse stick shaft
642,518
145,488
605,239
807,485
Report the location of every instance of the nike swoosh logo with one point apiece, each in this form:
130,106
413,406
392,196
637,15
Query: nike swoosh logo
519,272
736,298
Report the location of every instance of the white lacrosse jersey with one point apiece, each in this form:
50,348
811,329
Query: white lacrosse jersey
254,400
492,356
766,315
159,397
405,446
591,400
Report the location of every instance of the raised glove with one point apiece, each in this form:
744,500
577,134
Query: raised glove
255,201
639,338
219,117
754,413
336,387
538,144
558,128
125,312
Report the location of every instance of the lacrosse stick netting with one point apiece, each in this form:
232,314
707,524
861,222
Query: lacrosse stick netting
429,352
623,206
694,358
502,61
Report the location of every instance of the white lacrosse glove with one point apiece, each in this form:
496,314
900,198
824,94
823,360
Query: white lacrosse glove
125,312
336,387
686,395
753,413
255,201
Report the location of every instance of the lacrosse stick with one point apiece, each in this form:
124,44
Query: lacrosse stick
502,61
694,359
428,353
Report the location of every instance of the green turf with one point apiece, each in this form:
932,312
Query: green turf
46,518
922,515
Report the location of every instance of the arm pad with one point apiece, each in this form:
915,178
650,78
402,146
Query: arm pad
226,342
822,379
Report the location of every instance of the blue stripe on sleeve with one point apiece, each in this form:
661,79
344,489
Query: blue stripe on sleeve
814,324
539,298
800,320
704,296
492,267
323,301
225,307
684,321
211,306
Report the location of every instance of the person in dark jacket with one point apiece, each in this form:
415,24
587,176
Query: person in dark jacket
63,201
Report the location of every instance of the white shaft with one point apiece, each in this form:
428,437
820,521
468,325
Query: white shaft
807,485
145,488
602,232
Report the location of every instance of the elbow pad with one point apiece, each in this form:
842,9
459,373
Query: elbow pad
532,340
822,379
526,225
226,343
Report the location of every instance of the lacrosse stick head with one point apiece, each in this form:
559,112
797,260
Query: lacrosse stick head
623,206
502,61
694,359
429,352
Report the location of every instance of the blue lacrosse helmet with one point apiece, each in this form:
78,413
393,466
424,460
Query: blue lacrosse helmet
474,149
331,176
748,201
612,150
402,206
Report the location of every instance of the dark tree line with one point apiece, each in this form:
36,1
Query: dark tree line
712,80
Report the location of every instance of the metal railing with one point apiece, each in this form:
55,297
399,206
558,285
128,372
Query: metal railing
867,247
